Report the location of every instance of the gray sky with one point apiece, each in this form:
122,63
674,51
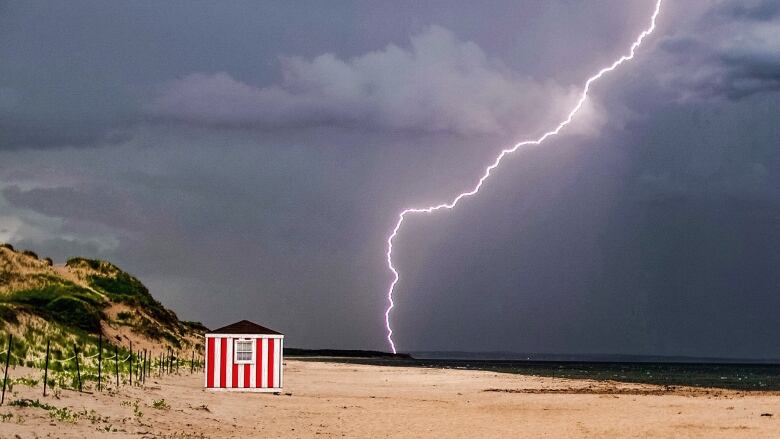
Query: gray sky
247,160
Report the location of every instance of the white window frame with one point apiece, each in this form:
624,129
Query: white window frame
251,350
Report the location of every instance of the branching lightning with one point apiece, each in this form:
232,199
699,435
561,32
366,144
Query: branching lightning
497,161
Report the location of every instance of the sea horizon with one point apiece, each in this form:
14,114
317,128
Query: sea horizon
585,358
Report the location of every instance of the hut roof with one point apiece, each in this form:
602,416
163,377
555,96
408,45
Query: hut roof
245,327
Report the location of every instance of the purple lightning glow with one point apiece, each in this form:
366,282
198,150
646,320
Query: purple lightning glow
497,161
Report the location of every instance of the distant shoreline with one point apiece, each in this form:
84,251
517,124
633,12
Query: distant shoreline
586,358
343,353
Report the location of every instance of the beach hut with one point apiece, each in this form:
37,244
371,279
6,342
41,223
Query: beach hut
245,357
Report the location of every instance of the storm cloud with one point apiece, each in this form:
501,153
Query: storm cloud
257,154
729,51
438,84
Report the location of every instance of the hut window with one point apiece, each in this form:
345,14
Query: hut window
243,351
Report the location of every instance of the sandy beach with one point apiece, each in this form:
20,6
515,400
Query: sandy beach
323,399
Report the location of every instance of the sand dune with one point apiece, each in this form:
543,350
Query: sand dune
343,400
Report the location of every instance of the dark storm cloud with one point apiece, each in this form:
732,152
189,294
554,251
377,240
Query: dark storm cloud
751,72
439,84
84,73
729,51
260,152
757,10
19,134
57,114
108,206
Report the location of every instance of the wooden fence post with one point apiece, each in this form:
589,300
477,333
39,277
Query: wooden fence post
192,362
116,365
78,371
131,362
100,360
7,358
46,367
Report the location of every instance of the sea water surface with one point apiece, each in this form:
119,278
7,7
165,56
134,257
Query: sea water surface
747,374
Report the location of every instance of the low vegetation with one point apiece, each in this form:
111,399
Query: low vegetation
63,302
72,306
61,414
160,404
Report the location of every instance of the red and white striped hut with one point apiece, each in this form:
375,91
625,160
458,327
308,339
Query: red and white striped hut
244,356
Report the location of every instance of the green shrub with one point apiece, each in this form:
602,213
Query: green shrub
195,326
175,342
160,404
44,295
8,315
148,328
63,414
25,381
76,262
65,303
24,402
30,253
127,289
75,312
120,285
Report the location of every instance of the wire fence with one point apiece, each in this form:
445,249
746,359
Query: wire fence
91,370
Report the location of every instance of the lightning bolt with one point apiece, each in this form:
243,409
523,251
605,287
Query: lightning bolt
497,161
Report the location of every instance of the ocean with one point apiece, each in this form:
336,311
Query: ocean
747,375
